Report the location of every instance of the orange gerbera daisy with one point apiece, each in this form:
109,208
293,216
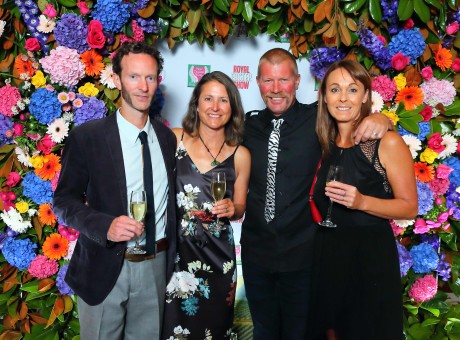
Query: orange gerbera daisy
443,58
51,164
412,96
423,171
46,215
55,246
23,65
93,63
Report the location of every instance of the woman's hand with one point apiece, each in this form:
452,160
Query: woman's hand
344,194
224,208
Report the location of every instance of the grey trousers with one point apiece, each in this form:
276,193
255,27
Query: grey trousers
133,310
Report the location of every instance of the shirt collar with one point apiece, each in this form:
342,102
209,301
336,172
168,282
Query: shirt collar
290,116
130,132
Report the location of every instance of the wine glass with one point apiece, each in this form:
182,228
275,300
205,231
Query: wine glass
138,208
335,173
218,186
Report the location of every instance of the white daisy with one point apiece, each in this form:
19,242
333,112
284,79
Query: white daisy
14,220
2,27
70,250
413,143
46,25
450,143
67,117
404,223
106,77
58,130
23,156
377,102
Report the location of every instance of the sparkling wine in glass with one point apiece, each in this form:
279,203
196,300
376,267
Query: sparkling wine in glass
218,186
138,208
335,173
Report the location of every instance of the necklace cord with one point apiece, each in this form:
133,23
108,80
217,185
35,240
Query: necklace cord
214,159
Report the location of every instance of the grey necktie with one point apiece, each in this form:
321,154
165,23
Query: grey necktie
273,143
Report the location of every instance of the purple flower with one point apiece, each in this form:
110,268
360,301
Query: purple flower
322,57
92,108
425,258
375,47
453,201
6,126
63,287
44,106
29,11
71,32
390,14
408,42
149,25
444,268
432,240
113,14
139,4
405,261
425,198
19,253
37,189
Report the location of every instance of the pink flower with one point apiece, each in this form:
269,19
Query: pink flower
7,198
50,11
420,226
385,86
452,28
95,38
426,113
13,179
423,289
64,66
433,224
77,103
42,267
9,96
399,61
435,142
442,217
456,65
54,181
66,107
438,91
382,39
438,201
69,233
45,145
83,7
72,95
138,34
458,148
32,45
443,171
18,129
439,186
397,230
34,136
408,24
427,73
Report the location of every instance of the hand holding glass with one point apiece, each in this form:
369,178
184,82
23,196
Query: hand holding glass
335,173
218,186
138,208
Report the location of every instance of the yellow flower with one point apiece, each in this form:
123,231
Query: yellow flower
89,90
38,80
428,156
37,161
400,81
392,115
22,207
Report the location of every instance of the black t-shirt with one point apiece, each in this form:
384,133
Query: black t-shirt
285,243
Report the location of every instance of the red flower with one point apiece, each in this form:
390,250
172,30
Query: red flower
45,145
13,179
408,24
32,45
399,61
456,65
434,142
96,38
202,215
426,113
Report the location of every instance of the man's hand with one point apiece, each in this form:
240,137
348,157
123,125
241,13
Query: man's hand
372,127
124,228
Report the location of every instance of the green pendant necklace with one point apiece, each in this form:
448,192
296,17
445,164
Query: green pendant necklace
214,162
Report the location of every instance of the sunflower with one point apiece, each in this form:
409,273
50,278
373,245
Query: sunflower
55,246
93,63
46,215
423,171
412,96
23,65
51,164
443,58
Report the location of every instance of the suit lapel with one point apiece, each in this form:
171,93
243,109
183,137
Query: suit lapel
112,138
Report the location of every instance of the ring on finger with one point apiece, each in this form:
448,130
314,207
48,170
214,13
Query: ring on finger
375,134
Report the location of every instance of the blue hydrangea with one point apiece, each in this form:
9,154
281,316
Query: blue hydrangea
425,258
19,253
405,261
71,31
454,163
113,14
410,42
376,48
425,198
44,106
424,127
62,286
92,108
6,126
322,57
190,306
37,189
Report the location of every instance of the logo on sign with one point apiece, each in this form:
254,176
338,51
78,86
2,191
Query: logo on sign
241,76
196,72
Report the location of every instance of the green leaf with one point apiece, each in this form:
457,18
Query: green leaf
353,6
453,108
375,10
275,24
67,3
434,3
450,239
39,332
30,287
422,11
253,28
7,156
174,2
405,9
247,13
435,126
222,5
452,3
271,10
412,309
410,125
419,332
430,321
193,17
112,94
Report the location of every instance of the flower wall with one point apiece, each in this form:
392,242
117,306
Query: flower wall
55,74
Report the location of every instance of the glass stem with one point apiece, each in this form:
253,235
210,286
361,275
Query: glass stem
329,210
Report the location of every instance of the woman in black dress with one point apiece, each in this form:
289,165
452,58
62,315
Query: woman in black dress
357,289
201,294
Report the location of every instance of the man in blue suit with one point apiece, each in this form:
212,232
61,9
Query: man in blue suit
120,295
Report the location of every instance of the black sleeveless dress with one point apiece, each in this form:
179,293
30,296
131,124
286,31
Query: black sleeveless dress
201,294
356,284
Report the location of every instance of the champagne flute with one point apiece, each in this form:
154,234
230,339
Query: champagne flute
218,186
335,173
138,208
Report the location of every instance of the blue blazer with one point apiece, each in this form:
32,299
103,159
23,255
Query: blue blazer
91,193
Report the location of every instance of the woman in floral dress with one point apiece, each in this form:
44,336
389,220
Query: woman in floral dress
201,294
